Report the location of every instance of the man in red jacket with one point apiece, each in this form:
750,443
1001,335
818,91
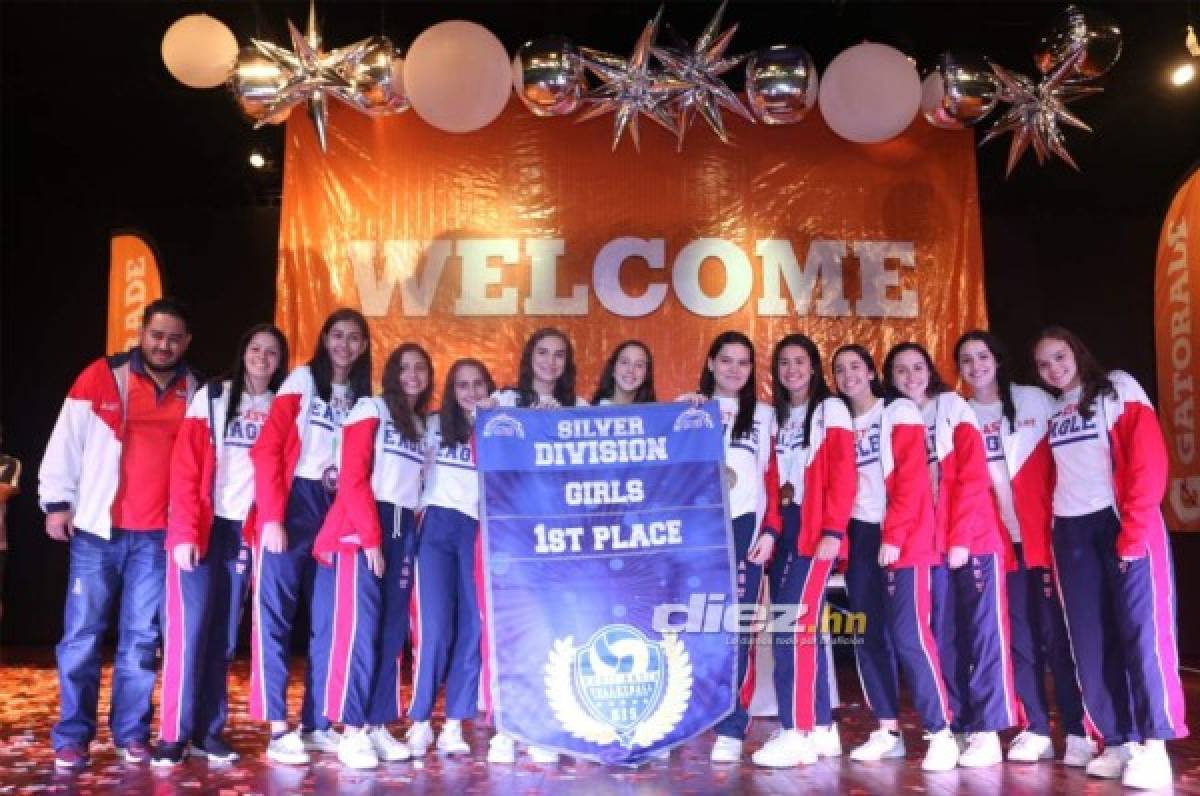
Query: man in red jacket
103,484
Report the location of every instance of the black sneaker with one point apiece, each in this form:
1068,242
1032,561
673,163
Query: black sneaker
168,754
215,749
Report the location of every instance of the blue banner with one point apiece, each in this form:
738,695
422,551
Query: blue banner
609,568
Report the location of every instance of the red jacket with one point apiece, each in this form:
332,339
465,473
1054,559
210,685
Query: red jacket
353,520
908,518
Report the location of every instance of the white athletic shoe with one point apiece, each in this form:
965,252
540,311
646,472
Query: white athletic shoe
785,749
1080,751
1110,764
450,739
1029,747
356,751
1148,768
983,749
327,740
942,752
502,749
826,741
542,755
419,738
726,750
387,747
881,745
288,749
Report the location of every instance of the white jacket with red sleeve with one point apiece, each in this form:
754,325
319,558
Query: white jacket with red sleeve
278,450
827,474
908,518
194,469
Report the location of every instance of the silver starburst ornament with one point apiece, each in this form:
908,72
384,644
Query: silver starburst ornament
313,72
630,88
1037,112
701,67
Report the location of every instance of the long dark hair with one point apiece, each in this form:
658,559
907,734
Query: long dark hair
862,353
747,397
456,428
818,388
237,373
937,385
607,387
1003,380
564,388
1092,378
404,417
321,365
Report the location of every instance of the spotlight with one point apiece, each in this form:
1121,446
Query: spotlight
257,160
1183,74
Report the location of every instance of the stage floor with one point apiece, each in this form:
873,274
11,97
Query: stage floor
29,706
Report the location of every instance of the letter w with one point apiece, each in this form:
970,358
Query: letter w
399,267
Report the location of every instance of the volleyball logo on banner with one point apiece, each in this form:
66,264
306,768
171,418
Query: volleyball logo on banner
1177,341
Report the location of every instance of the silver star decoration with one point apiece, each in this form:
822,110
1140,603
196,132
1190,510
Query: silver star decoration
702,67
630,88
1036,112
313,72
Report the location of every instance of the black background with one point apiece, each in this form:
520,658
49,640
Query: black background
97,136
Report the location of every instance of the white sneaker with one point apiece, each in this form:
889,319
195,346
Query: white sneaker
355,750
881,745
502,749
726,750
1110,764
942,752
540,754
387,748
288,749
826,741
419,738
1029,747
327,740
450,739
1148,768
1080,751
785,749
983,749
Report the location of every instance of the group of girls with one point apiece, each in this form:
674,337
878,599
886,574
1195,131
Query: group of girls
983,542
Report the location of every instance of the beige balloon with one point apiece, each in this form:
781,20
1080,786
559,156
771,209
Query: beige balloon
457,76
199,51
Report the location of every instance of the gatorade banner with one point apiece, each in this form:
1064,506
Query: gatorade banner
608,569
133,282
1177,342
468,243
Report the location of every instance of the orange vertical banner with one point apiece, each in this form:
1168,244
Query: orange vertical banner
133,282
1177,345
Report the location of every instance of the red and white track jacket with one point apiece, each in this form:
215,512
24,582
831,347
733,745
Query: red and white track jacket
82,464
377,464
908,518
751,459
965,509
823,474
1030,468
194,466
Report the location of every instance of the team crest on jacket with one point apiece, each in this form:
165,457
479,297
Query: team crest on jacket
692,419
619,687
503,425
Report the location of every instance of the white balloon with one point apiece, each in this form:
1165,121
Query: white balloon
458,76
199,51
870,93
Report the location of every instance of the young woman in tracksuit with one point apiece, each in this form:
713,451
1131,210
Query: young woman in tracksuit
295,478
1013,419
728,377
628,376
545,380
814,451
893,552
447,620
368,538
211,492
1112,557
970,597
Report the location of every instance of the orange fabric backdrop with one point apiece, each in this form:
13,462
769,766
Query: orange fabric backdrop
1177,343
791,229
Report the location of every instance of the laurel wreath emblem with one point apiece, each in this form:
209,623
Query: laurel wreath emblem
571,715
